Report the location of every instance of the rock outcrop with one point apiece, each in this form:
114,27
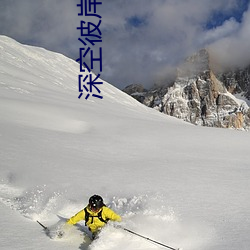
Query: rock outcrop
199,96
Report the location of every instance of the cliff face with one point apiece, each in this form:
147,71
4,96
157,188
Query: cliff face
237,81
201,97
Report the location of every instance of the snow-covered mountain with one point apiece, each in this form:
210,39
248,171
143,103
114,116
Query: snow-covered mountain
202,96
182,185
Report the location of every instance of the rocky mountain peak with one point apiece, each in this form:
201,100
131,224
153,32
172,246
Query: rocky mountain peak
202,97
194,65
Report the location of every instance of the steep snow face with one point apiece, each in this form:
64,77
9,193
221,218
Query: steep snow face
179,184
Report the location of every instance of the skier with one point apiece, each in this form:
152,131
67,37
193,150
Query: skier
95,214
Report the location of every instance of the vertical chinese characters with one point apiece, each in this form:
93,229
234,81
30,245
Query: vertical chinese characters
90,38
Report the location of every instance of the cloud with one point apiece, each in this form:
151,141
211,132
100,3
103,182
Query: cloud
47,23
233,49
228,28
142,40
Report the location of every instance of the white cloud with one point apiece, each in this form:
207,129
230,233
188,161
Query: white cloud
233,50
171,31
228,28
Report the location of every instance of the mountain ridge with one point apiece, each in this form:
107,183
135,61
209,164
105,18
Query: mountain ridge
200,95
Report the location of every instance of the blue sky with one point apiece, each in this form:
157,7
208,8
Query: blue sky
142,40
218,17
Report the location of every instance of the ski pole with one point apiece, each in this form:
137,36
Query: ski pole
45,228
146,238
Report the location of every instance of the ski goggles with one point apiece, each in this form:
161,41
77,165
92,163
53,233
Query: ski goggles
94,208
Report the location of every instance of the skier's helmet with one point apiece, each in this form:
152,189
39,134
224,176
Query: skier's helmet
95,202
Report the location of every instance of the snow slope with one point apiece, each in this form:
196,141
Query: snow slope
173,182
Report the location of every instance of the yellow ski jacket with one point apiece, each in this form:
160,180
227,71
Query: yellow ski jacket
94,223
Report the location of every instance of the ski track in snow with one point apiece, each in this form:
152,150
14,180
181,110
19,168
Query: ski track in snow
43,117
